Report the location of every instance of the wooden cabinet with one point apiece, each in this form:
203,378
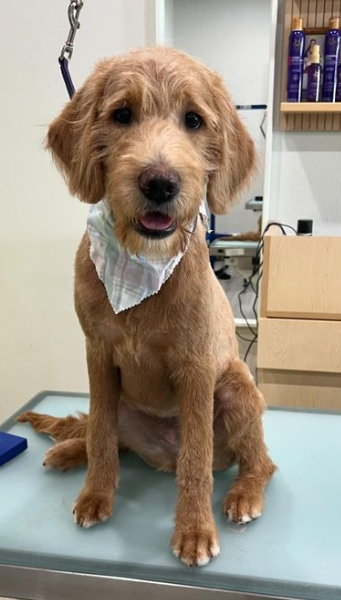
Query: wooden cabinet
299,336
300,345
302,277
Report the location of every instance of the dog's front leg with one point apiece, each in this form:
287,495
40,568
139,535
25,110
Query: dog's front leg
95,501
195,538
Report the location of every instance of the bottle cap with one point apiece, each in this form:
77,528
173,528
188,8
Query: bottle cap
315,57
334,23
304,227
297,24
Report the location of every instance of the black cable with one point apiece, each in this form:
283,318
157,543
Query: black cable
256,295
255,338
284,225
242,312
249,348
243,338
257,269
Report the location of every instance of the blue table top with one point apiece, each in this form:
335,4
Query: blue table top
293,550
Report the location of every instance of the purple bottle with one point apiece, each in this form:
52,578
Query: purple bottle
295,61
314,76
331,60
338,86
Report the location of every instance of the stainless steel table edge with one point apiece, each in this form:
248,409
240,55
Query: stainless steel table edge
43,584
33,583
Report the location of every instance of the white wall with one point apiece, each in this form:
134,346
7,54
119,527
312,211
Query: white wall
234,39
306,181
305,175
41,344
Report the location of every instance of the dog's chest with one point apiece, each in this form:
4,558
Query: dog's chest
137,343
146,352
141,354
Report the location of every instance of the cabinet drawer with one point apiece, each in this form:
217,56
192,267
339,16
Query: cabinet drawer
302,277
299,345
300,389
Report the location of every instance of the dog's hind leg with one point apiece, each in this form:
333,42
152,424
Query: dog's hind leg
153,438
65,455
240,405
69,433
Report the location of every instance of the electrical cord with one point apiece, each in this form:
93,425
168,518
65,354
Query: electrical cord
243,338
257,270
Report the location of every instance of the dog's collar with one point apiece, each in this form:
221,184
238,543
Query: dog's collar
127,278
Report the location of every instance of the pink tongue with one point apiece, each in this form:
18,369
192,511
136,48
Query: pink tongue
156,221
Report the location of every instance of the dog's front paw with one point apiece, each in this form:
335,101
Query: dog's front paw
243,506
92,507
196,546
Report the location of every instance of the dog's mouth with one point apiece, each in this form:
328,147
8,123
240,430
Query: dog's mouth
155,225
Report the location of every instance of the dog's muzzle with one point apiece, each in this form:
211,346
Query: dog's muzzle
160,185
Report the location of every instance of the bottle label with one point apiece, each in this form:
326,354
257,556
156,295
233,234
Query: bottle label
329,77
332,45
295,71
295,66
314,81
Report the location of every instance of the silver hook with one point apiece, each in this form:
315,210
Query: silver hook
74,10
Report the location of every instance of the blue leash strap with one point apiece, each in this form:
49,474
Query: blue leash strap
74,10
64,67
251,106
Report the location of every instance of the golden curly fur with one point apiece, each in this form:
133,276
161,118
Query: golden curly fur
165,377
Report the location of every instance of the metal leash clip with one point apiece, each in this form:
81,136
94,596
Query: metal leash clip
74,10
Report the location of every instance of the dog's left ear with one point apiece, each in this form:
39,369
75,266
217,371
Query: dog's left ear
236,154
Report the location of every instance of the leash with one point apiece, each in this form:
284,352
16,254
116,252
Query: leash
74,10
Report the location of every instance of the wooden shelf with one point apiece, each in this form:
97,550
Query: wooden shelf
311,107
308,116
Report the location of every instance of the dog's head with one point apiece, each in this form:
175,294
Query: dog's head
149,130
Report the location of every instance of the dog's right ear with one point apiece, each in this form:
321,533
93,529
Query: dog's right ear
72,141
236,156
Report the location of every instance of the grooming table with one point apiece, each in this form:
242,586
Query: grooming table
255,205
228,247
294,550
238,254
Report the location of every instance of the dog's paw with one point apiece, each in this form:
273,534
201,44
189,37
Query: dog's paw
53,460
242,507
195,547
92,507
66,455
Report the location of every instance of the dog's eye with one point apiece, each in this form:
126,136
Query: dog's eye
193,120
122,115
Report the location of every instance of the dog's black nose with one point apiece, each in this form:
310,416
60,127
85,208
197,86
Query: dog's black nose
159,184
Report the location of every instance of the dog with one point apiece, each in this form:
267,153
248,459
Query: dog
151,131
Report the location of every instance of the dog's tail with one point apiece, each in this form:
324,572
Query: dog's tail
60,429
69,433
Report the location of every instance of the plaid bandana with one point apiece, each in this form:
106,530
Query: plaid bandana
128,279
